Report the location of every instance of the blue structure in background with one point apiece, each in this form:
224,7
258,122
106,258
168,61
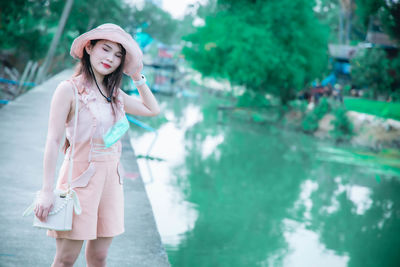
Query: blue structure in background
342,67
339,68
330,79
143,39
2,80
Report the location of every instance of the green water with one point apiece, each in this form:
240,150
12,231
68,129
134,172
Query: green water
226,192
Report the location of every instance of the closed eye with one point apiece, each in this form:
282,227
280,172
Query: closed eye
107,49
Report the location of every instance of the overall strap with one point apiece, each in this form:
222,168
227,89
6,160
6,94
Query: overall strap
71,157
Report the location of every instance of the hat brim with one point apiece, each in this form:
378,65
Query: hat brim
133,58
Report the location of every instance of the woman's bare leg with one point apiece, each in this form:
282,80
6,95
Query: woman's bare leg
67,252
96,251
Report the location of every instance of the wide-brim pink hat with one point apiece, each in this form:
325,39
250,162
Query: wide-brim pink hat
114,33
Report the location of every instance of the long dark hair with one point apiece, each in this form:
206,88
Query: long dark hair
111,81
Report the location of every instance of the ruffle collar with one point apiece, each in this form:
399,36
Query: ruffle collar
87,94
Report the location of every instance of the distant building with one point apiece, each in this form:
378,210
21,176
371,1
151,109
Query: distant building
342,52
377,37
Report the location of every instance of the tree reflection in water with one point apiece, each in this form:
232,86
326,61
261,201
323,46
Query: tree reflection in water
264,197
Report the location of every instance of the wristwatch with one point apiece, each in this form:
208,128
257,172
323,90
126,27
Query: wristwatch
141,81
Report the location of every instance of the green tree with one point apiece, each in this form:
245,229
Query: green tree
371,69
274,47
27,27
391,18
21,28
395,72
342,19
388,12
83,17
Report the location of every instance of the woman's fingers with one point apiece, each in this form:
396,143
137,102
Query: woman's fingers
39,213
46,212
42,213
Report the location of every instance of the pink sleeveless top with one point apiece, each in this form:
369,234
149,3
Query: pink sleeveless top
95,118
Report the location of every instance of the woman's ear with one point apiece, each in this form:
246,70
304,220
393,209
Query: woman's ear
88,48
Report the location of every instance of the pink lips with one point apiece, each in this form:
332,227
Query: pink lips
106,66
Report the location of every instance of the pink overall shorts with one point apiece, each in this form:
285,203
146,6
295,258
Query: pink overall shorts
97,175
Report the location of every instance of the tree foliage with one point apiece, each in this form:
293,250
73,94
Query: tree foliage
21,27
371,69
27,27
388,12
267,46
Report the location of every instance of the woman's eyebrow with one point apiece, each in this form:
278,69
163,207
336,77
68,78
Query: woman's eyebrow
111,48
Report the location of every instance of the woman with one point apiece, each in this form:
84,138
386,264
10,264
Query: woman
105,53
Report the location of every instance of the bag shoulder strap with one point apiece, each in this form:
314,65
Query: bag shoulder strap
71,158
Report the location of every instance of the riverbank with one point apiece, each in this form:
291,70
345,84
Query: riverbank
369,130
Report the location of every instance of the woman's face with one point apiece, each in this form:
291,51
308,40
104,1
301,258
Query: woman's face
105,56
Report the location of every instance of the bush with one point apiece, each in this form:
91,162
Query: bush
310,122
343,128
252,99
298,105
322,108
311,119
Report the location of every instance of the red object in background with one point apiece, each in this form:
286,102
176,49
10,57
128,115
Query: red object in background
164,53
317,90
160,79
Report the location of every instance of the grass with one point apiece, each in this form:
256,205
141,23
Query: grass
387,110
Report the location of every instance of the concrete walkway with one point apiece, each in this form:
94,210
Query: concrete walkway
23,126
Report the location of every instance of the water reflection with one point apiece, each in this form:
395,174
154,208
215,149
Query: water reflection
255,195
357,217
305,248
178,216
386,162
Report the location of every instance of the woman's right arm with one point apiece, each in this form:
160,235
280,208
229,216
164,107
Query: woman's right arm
60,108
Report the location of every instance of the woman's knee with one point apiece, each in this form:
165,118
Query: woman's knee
97,250
65,259
67,252
96,257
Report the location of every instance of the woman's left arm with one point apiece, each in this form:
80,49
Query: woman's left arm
145,106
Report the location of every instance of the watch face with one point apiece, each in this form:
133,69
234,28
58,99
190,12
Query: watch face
141,81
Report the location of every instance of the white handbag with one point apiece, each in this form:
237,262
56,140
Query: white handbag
66,202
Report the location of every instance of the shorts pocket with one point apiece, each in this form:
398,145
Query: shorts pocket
121,173
83,179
